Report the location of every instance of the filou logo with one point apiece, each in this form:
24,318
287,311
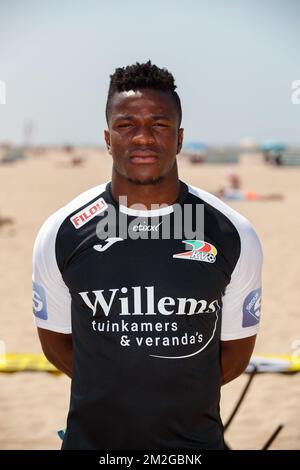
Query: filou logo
88,213
132,299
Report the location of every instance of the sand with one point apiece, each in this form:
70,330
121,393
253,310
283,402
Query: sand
33,406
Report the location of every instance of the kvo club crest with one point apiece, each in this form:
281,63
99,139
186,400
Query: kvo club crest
201,251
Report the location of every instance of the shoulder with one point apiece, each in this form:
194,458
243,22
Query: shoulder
244,227
48,231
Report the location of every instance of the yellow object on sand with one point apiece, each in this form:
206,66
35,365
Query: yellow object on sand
265,363
19,362
274,363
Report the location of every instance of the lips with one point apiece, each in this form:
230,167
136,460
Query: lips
143,157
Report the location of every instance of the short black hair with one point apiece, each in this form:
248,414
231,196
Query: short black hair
147,75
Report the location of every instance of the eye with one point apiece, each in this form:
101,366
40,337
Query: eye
127,124
160,124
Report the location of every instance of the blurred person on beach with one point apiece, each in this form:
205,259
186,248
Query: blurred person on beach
5,220
145,314
234,191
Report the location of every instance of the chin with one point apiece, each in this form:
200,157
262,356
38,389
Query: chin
144,181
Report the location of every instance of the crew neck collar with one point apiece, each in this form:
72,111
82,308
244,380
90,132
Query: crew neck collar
165,210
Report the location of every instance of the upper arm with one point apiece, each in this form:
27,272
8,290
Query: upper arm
51,297
235,356
239,350
53,342
242,298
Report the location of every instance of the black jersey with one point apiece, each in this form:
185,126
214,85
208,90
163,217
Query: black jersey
147,305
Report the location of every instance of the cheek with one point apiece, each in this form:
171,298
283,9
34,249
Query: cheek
169,139
169,145
119,141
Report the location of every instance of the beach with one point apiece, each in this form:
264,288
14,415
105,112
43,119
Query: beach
34,405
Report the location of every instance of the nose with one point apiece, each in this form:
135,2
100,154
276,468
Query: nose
143,136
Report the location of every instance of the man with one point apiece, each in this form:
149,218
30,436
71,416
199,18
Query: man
147,327
234,192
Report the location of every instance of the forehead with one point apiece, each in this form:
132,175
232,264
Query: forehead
143,101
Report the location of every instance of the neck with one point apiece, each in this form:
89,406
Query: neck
165,191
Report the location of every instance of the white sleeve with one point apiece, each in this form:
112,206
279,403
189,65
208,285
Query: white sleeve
242,298
51,297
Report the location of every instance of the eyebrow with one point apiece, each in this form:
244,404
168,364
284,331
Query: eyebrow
161,116
124,117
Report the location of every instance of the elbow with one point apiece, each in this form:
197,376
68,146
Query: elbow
48,354
233,372
235,356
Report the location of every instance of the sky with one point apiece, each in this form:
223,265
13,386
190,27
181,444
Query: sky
234,62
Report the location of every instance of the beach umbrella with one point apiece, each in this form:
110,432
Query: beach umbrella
272,145
194,146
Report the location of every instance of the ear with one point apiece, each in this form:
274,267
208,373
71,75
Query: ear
107,140
180,140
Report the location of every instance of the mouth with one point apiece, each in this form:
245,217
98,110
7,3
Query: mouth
143,157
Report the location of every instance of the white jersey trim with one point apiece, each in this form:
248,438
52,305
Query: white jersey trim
246,276
52,289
